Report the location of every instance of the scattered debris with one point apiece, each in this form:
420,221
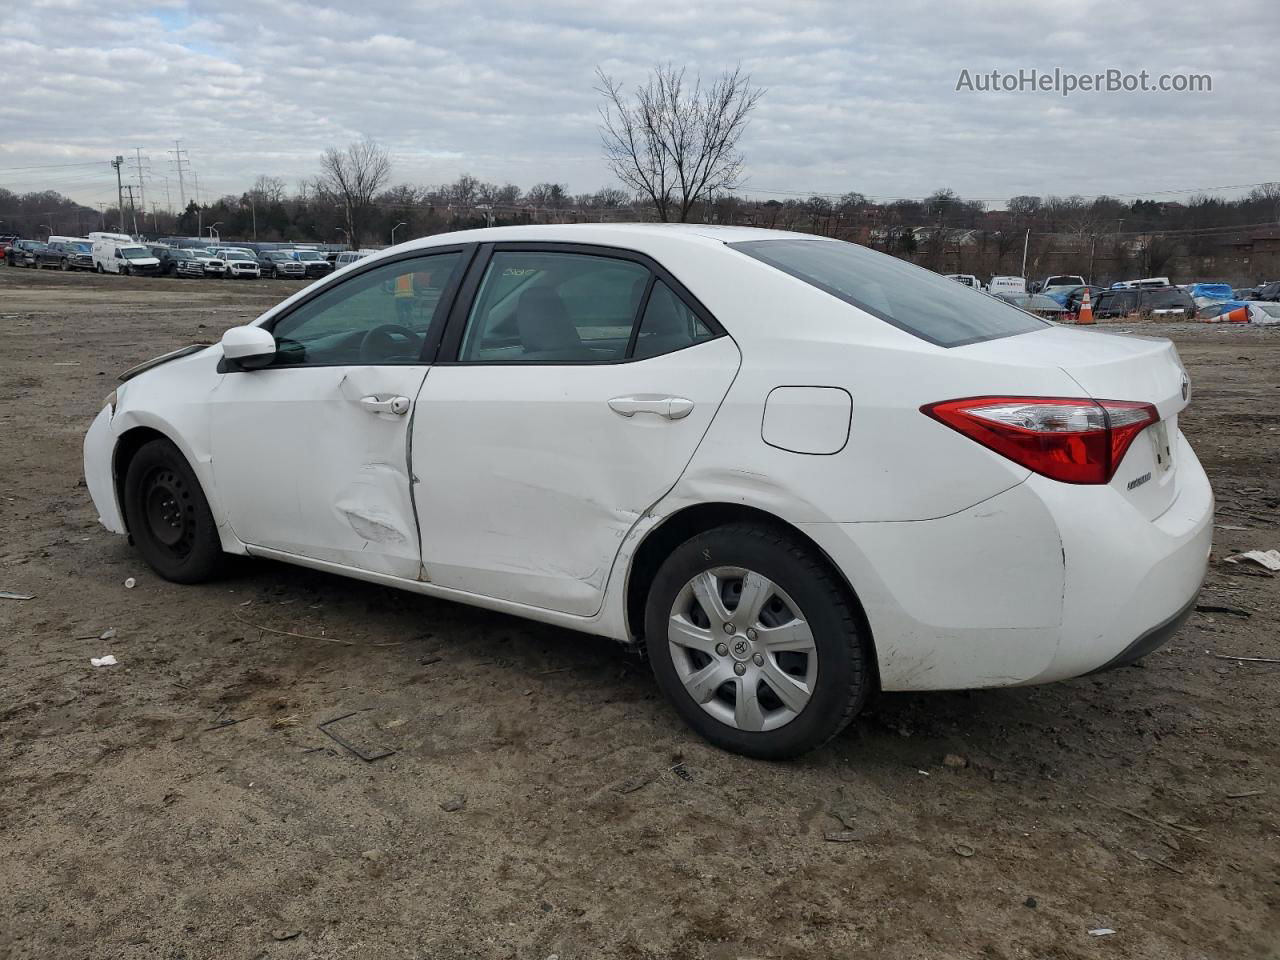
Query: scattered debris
955,761
228,723
1264,558
428,661
454,804
680,771
279,723
372,856
1230,526
107,661
841,836
1219,608
1101,932
633,784
1165,825
964,850
1247,793
845,817
1223,656
366,753
6,595
285,934
1157,861
108,634
287,633
130,583
1030,902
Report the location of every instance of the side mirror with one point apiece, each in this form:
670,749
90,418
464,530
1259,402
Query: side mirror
248,347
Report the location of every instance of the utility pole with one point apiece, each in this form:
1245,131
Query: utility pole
1026,242
118,162
179,160
133,210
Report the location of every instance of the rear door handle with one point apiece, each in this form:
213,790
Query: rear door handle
672,408
397,405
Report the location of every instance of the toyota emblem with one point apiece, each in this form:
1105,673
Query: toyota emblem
1186,386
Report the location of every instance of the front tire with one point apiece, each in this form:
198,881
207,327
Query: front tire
168,516
756,642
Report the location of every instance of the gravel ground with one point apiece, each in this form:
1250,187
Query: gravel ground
542,799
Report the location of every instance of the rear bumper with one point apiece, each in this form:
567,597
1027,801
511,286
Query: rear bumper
1043,582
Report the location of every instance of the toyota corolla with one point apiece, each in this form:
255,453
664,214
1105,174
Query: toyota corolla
793,470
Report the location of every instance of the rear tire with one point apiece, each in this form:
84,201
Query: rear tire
772,682
168,516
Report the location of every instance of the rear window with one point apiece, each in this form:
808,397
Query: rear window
921,302
1161,299
1062,282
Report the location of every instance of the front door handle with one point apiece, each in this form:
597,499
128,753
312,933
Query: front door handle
672,408
397,405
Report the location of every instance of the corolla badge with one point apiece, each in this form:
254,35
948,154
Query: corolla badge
1186,386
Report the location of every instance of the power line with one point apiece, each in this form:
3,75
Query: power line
51,166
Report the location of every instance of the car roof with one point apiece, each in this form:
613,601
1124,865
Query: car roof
646,237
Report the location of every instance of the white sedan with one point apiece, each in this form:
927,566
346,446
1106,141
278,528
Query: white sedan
793,469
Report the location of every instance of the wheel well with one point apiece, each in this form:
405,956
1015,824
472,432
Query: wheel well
692,521
130,442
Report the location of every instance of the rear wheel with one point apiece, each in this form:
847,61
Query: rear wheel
64,266
98,268
755,642
168,515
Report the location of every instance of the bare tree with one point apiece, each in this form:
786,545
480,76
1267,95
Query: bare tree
351,177
674,143
268,189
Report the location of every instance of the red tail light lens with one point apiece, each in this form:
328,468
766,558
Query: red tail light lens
1067,439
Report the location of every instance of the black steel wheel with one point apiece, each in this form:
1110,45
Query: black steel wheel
168,515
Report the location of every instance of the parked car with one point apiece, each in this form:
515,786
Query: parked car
127,259
6,241
68,254
1036,303
280,263
1264,312
23,253
194,263
1162,302
968,279
1073,298
241,264
167,256
313,262
1007,285
1057,281
618,437
348,257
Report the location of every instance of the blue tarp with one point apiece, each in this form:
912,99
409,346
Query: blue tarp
1212,291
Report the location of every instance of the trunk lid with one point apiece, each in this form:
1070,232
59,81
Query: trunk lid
1110,366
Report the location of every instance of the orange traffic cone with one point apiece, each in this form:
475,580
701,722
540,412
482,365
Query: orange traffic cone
1238,315
1086,309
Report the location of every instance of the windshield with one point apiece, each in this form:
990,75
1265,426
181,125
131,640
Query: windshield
134,253
238,256
1062,282
921,302
306,255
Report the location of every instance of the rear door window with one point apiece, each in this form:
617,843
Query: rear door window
921,302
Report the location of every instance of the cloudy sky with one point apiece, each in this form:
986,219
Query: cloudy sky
861,96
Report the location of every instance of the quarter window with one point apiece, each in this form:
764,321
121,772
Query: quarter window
668,324
379,317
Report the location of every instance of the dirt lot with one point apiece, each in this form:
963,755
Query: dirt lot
542,799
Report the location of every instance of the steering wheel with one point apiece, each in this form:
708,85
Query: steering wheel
381,343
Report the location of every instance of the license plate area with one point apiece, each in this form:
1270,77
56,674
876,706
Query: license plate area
1160,446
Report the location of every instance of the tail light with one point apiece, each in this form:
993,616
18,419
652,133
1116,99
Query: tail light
1066,439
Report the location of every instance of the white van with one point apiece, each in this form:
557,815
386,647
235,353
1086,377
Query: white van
968,279
1007,285
119,253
